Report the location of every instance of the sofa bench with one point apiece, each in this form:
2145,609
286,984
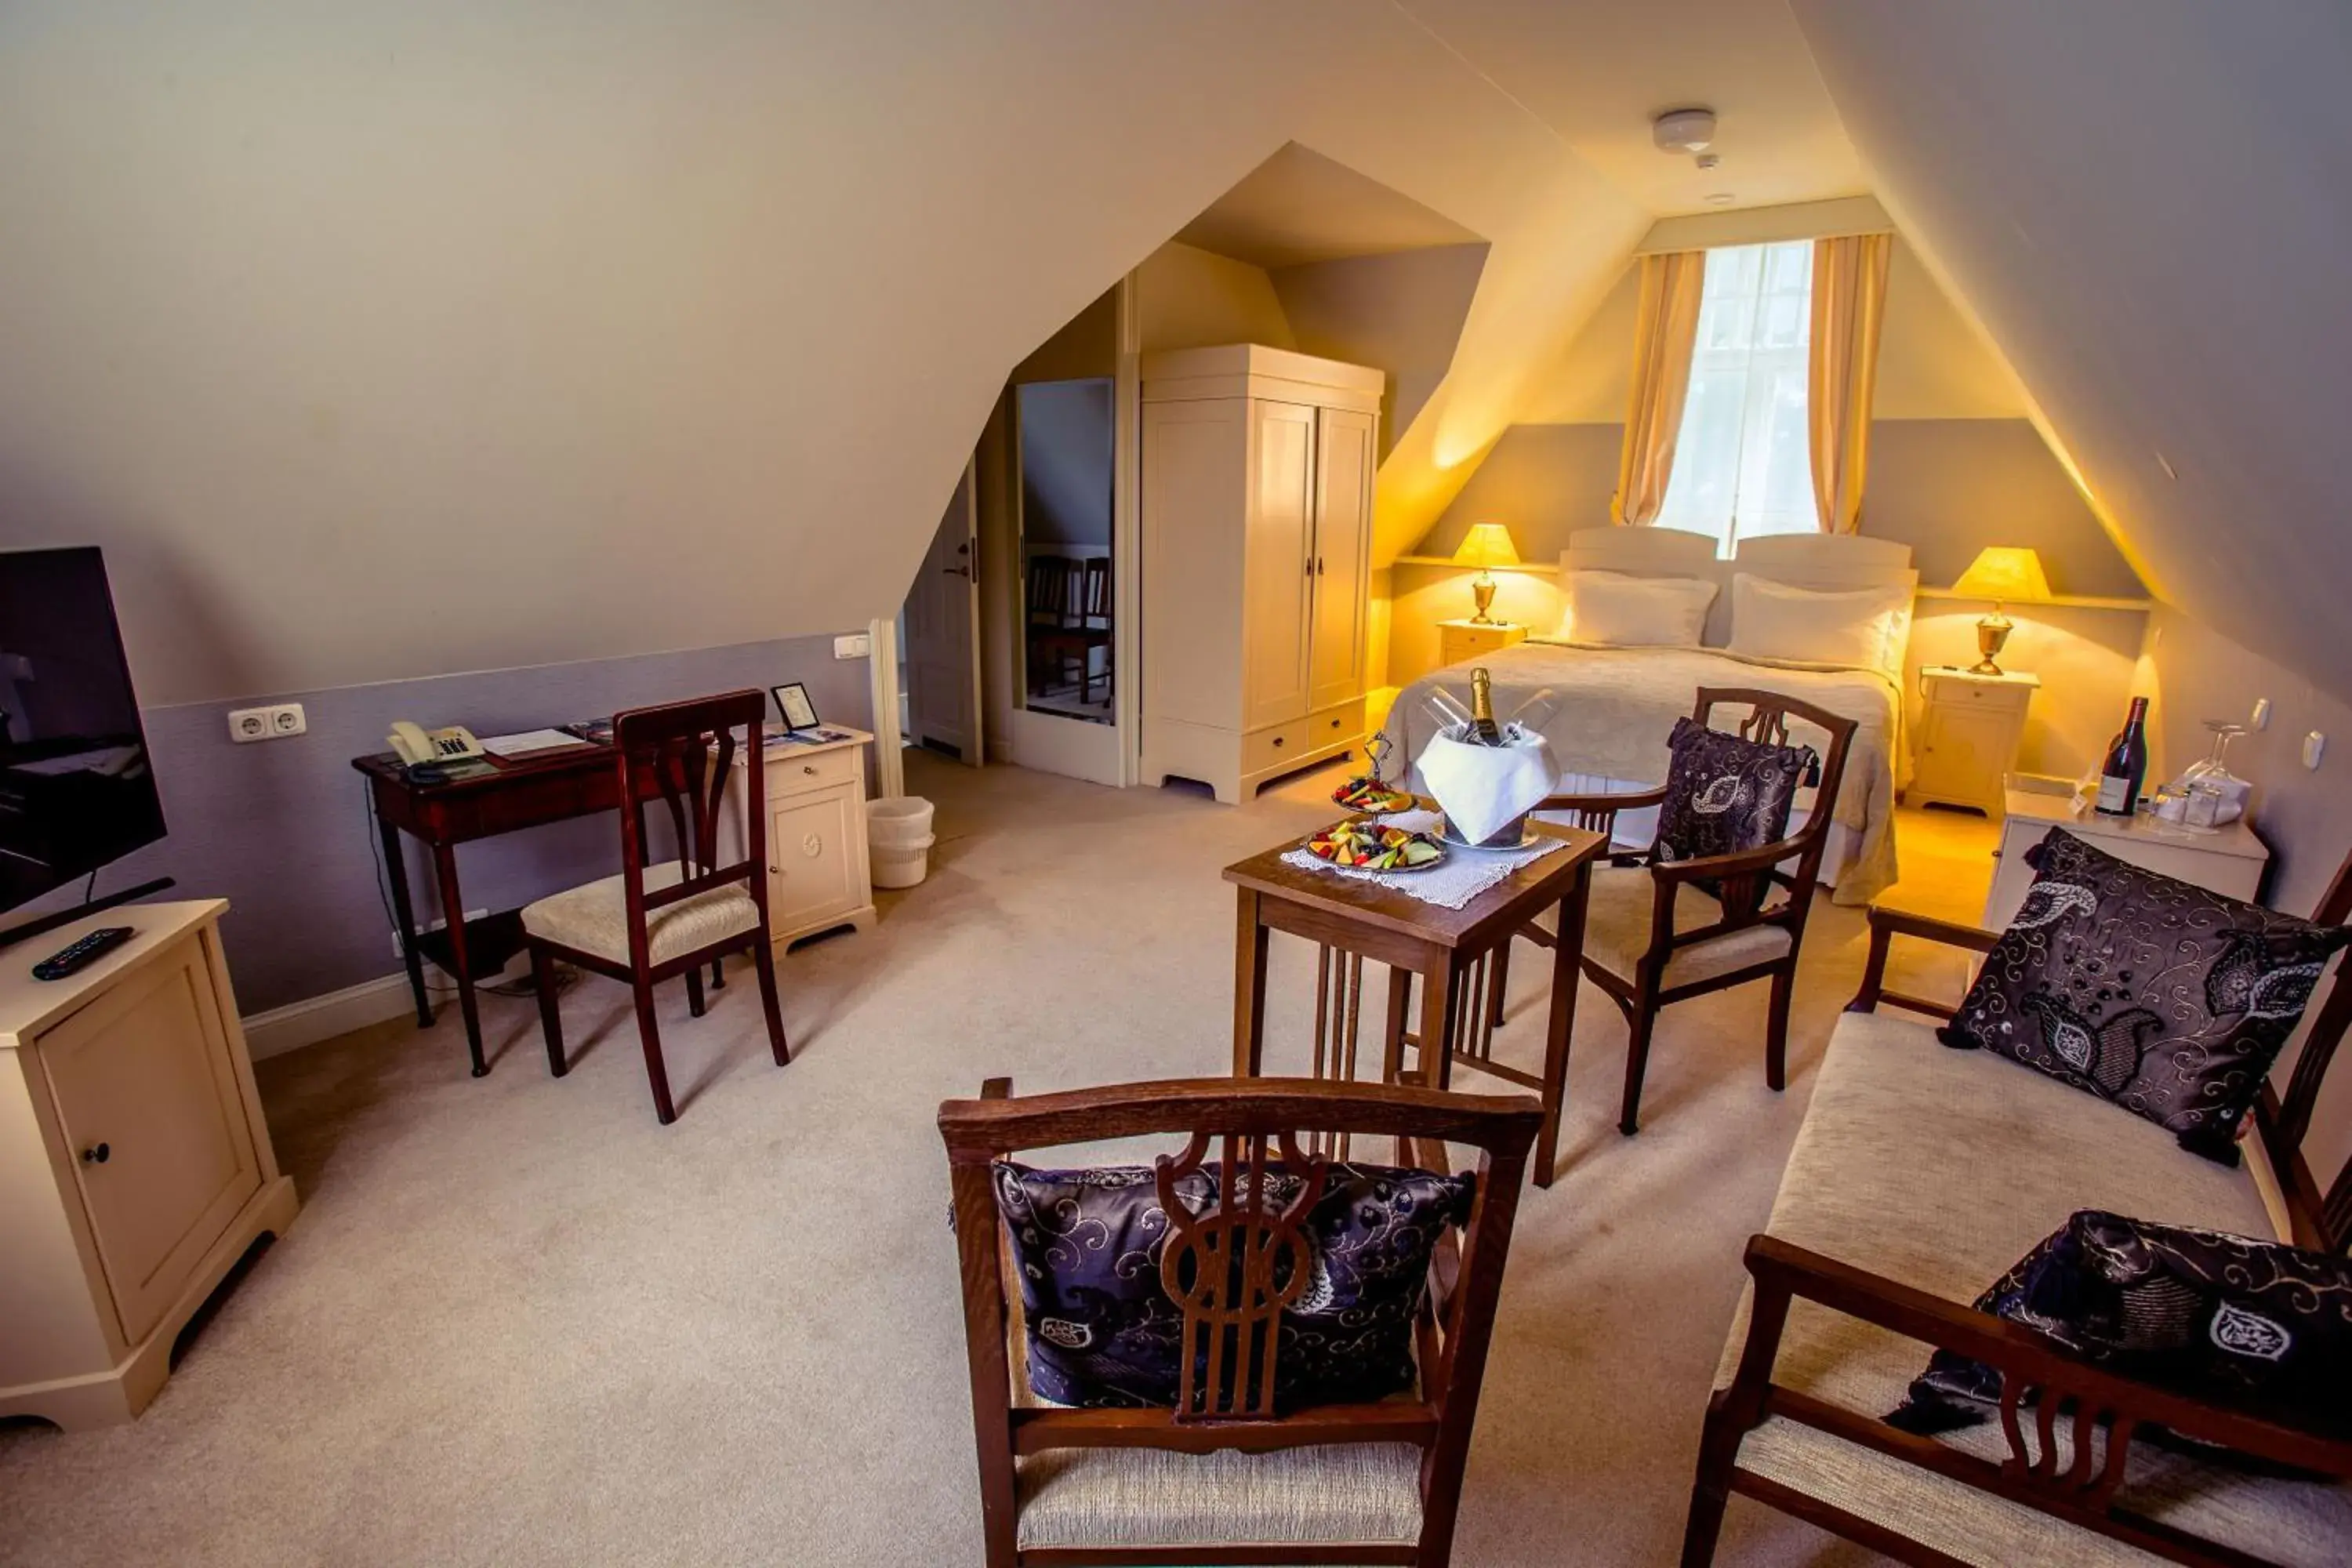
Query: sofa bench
1921,1174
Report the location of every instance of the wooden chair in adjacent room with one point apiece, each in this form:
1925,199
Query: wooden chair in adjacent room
1089,624
1658,932
1049,614
657,922
1221,1474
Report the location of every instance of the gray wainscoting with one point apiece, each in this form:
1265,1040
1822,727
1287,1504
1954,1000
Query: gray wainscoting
281,828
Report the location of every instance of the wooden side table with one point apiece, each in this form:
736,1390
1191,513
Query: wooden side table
1353,920
1459,642
1968,736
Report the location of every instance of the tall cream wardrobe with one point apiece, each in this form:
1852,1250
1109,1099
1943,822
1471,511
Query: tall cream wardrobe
1257,534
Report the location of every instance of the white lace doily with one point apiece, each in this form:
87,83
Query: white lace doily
1452,884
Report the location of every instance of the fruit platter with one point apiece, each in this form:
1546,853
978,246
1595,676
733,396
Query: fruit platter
1370,793
1371,847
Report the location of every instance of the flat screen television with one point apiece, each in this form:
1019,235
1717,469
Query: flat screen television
76,790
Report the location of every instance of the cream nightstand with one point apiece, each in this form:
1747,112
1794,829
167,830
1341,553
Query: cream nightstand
1461,641
1968,736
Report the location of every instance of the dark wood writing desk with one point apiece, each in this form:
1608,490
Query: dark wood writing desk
577,782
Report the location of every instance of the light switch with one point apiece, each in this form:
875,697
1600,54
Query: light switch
856,645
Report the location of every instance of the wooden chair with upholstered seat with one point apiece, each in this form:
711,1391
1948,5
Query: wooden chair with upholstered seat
655,921
1659,932
1220,1475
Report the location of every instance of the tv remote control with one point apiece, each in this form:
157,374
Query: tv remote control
80,953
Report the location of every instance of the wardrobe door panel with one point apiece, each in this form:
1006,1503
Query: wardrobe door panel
1278,572
1343,539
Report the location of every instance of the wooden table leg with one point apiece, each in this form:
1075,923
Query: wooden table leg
1399,998
1249,985
1441,999
396,870
1567,971
461,967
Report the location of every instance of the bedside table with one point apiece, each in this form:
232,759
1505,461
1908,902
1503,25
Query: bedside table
1458,642
1968,736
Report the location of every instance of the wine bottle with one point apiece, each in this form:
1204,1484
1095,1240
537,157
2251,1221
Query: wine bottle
1484,730
2125,768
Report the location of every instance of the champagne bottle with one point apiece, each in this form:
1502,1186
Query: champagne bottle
1484,730
2125,768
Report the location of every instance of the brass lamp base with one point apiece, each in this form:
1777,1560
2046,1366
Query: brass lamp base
1992,632
1482,591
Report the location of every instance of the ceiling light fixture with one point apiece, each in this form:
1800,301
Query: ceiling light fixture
1684,129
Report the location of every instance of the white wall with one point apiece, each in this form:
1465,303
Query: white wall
379,340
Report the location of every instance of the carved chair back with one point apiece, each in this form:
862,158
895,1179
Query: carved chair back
1742,891
1094,594
1230,1269
1052,595
680,754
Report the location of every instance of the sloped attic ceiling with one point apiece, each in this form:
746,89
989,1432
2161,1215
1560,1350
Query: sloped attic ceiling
378,340
2148,204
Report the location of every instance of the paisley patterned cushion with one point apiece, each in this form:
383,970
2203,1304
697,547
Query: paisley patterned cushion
1726,794
2258,1324
2165,998
1102,1331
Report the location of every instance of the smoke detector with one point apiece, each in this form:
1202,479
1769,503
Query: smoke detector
1684,129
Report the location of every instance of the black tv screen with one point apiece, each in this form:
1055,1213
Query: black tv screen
76,790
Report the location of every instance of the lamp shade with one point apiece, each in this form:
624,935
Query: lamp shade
2004,572
1486,544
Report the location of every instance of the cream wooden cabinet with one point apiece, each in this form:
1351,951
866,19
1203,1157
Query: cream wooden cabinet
135,1167
1258,521
1967,740
2229,861
818,875
1459,642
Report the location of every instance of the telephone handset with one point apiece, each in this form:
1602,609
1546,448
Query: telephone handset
414,744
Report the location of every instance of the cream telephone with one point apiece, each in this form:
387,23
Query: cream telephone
413,744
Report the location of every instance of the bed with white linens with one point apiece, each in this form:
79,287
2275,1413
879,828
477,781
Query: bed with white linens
1842,601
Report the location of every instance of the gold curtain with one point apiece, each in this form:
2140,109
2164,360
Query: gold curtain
1842,373
1664,329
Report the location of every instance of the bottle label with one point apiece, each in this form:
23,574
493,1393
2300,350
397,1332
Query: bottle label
2113,792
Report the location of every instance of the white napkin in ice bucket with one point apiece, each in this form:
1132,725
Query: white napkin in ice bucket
1481,788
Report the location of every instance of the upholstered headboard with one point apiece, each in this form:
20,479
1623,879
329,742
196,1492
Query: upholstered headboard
1825,562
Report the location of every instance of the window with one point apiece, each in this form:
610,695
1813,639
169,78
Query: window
1741,463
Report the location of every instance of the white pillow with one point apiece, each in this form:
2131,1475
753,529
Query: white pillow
1617,611
1860,627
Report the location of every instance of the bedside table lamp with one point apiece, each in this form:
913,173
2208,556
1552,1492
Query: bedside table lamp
2003,573
1486,545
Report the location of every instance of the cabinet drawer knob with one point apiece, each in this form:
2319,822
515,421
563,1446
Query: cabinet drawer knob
96,1154
1277,743
809,768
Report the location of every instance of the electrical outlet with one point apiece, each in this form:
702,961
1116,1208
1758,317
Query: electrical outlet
276,722
434,926
856,645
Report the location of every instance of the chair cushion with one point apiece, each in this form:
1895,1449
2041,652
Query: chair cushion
1726,794
1103,1331
1360,1493
1939,1169
1617,930
594,917
2237,1320
2167,998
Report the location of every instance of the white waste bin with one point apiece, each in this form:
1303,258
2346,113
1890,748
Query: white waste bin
898,834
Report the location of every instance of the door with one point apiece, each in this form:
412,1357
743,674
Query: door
1962,754
1343,529
943,635
810,864
1277,575
147,1101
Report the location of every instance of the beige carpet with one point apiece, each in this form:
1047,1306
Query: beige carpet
517,1322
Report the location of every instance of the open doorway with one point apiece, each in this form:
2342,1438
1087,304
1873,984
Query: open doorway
1066,449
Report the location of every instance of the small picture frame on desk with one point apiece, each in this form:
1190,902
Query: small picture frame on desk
792,702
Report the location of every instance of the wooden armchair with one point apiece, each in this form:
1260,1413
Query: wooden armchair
1657,932
1368,1483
